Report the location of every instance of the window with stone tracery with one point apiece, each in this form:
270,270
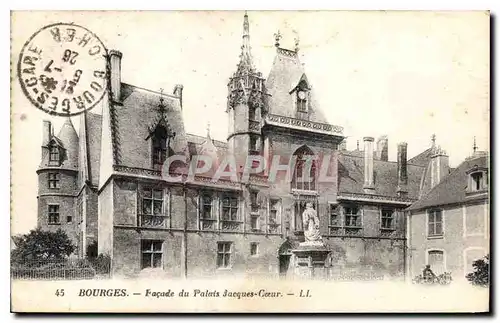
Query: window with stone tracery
304,175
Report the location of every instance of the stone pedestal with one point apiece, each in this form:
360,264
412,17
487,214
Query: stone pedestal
311,261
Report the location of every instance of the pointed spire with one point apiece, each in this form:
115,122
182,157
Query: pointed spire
246,63
208,130
277,38
246,26
297,41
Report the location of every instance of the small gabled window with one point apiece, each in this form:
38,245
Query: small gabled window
160,142
159,152
477,181
54,156
301,99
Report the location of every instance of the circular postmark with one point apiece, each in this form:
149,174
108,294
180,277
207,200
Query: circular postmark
62,69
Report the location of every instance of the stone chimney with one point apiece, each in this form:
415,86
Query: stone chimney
368,151
46,132
178,92
343,145
115,61
383,148
440,166
402,189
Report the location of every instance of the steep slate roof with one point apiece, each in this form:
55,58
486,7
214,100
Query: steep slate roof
286,73
200,140
423,158
132,120
199,145
452,189
351,176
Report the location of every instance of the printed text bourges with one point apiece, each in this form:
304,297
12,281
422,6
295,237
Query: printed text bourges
184,293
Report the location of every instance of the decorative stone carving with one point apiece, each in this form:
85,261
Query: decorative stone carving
310,221
153,221
230,226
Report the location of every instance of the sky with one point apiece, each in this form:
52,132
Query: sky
406,75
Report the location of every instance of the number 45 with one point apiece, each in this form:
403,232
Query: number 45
59,292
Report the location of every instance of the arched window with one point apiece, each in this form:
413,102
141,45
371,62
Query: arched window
160,141
54,156
304,175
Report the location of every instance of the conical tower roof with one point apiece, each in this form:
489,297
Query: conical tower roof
69,138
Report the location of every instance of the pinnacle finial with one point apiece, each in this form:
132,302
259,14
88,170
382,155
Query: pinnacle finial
297,41
161,105
208,129
246,25
433,139
277,38
474,147
246,62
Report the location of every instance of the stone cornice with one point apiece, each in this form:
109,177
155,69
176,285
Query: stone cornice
304,125
56,168
371,198
157,175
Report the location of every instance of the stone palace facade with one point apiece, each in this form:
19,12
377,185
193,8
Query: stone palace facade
105,184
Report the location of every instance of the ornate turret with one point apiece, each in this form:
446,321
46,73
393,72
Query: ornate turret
57,181
246,86
245,102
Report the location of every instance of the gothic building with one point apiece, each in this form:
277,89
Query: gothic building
107,183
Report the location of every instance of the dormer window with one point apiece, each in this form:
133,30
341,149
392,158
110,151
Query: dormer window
54,156
159,152
477,181
302,101
160,142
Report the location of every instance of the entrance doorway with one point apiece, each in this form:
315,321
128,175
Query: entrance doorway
284,256
284,265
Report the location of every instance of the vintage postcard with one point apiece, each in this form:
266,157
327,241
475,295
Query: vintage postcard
250,161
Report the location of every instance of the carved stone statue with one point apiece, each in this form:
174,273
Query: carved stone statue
310,221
